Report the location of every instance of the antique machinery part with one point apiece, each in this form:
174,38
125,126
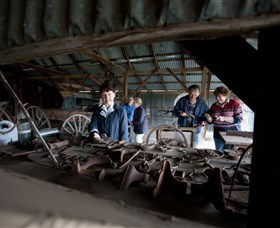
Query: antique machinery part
76,125
212,189
165,126
235,173
48,131
39,117
5,116
97,160
146,165
59,144
25,112
129,160
166,180
131,175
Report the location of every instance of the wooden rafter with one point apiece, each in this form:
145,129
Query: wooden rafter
157,82
151,46
101,59
43,69
141,74
105,62
197,30
178,79
84,74
144,82
205,83
130,65
125,86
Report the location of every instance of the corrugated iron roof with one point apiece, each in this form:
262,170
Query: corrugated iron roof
36,20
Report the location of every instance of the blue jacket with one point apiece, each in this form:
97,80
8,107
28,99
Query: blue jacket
114,126
130,111
140,121
183,105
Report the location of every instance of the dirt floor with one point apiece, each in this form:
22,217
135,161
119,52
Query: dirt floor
167,211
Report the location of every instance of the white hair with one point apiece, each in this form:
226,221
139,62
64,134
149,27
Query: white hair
138,100
130,99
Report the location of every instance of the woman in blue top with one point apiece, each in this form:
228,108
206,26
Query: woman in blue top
109,119
129,108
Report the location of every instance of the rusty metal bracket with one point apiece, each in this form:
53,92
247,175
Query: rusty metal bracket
131,175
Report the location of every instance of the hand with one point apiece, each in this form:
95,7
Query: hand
183,114
202,124
221,119
96,135
208,117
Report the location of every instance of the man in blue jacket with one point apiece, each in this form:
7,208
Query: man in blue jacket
109,119
190,110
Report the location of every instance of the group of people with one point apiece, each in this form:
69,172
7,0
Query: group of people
117,122
225,114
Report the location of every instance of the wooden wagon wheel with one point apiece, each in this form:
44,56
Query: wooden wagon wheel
76,125
39,117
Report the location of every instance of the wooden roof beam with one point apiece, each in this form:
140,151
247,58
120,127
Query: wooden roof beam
178,79
204,29
125,54
43,69
144,82
157,65
101,59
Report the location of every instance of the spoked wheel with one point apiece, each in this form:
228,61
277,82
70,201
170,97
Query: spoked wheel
39,117
76,125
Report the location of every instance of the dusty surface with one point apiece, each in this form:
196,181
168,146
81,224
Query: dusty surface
97,202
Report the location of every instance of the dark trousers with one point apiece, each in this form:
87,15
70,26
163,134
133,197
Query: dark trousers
130,133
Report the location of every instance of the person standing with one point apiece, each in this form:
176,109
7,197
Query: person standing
129,107
109,119
225,114
190,111
139,122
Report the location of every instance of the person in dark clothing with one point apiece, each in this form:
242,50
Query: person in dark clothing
109,119
191,110
139,122
225,114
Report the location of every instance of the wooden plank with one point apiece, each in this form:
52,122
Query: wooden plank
204,29
236,140
247,134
